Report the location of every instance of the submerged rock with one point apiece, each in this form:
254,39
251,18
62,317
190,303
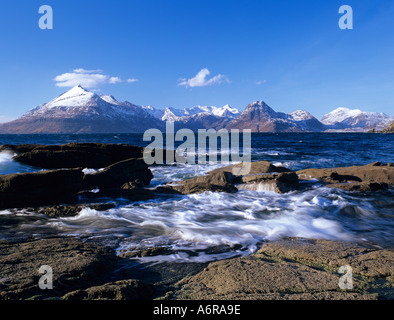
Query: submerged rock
73,210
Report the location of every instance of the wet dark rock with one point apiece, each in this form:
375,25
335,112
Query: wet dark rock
136,194
74,155
18,148
73,210
117,174
360,186
39,188
146,252
137,183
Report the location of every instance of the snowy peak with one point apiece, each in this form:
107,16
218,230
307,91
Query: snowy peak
172,114
355,119
261,109
340,114
300,115
75,97
225,111
78,103
110,99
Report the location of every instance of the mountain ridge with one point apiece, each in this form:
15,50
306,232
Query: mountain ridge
81,111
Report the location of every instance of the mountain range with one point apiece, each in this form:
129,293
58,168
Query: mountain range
81,111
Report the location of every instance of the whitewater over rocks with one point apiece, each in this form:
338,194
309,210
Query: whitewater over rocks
195,233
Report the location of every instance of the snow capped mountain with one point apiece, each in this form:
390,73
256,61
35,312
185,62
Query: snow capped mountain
355,120
75,97
306,121
340,114
301,115
225,111
157,113
74,101
81,111
259,117
110,99
172,114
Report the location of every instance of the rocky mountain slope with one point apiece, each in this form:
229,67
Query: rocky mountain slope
389,129
81,111
259,117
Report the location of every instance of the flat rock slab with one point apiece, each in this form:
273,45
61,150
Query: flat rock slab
74,264
371,173
294,269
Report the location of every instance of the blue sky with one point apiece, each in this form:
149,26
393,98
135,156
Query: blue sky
182,53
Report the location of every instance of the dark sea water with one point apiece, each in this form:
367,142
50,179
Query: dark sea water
209,226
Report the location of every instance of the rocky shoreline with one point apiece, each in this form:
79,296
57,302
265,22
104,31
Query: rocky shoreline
289,269
74,176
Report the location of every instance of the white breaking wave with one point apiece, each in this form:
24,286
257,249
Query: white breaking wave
187,226
6,156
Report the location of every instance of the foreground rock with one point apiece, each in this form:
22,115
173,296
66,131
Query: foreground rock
288,269
81,271
74,264
371,177
119,290
294,269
